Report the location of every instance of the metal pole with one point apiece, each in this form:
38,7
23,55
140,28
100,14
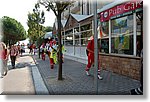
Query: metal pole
95,48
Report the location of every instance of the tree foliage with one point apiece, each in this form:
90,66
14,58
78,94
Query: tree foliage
48,29
13,30
35,21
57,6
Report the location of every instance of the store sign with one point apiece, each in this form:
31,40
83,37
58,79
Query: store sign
120,9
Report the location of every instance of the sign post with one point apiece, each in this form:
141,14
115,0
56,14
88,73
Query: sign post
95,48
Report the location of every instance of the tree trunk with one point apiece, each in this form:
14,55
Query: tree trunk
59,46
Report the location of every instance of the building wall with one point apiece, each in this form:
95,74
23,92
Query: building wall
127,65
123,65
84,7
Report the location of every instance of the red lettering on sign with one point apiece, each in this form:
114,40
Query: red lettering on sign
120,9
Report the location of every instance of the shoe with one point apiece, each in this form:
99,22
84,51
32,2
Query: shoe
136,91
52,67
87,73
1,76
99,77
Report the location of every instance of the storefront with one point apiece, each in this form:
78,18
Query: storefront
75,34
121,32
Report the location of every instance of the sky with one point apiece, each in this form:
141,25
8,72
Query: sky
19,9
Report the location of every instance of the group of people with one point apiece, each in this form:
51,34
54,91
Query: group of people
5,52
21,48
32,48
51,49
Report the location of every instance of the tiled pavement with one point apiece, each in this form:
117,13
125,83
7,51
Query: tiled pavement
76,82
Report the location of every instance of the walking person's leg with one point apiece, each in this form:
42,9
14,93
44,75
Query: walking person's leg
51,63
1,68
89,64
99,69
5,67
13,59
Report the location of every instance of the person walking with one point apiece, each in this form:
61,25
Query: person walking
90,54
52,52
43,51
3,59
13,55
34,48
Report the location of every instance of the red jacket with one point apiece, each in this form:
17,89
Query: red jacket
3,54
90,46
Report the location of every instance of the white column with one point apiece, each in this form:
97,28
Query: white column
109,36
73,43
134,34
80,38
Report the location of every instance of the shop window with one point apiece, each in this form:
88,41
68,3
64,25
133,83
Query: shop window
104,37
122,35
86,33
77,36
139,32
68,38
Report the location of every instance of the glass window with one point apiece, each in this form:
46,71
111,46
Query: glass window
86,33
104,37
68,38
77,36
139,32
122,35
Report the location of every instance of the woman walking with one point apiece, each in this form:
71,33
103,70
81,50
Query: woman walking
13,54
3,59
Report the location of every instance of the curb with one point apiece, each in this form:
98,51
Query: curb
40,87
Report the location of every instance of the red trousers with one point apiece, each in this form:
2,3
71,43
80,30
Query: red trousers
43,56
51,61
91,62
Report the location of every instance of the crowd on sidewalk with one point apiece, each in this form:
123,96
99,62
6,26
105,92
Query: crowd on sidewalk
50,48
13,51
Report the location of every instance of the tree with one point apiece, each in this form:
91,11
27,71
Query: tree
13,30
57,6
35,21
48,29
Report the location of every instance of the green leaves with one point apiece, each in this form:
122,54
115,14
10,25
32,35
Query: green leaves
13,30
35,21
56,5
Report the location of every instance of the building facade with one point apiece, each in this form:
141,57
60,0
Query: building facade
122,37
120,31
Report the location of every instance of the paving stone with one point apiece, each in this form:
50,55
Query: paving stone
76,82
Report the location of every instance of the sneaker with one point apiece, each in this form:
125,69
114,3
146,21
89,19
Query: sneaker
99,77
87,73
1,76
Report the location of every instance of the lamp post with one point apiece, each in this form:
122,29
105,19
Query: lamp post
95,48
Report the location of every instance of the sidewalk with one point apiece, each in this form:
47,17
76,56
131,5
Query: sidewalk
19,80
77,83
24,79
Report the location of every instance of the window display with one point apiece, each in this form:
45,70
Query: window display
122,35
